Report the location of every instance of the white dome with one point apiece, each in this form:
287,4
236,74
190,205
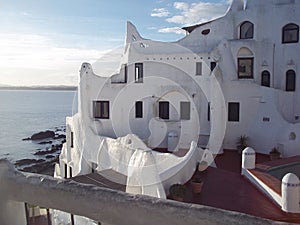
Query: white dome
290,178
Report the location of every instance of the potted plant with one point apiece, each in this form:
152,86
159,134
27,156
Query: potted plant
274,154
177,192
202,166
242,143
197,184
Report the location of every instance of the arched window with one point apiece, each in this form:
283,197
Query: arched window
290,33
265,78
290,80
246,30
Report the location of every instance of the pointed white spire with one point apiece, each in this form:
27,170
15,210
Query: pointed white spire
132,34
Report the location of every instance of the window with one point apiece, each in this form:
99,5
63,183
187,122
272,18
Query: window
265,78
139,109
290,33
212,65
164,110
245,67
66,171
125,73
290,80
185,110
72,140
208,111
234,111
246,30
139,72
205,32
101,109
198,68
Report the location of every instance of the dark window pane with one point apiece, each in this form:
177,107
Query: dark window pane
234,111
125,73
139,109
72,140
101,109
164,110
246,30
290,80
212,65
265,79
208,111
290,33
245,67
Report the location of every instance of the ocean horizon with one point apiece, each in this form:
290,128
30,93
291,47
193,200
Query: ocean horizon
25,112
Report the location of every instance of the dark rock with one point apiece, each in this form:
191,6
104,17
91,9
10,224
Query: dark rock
45,167
63,141
49,156
26,139
54,148
45,142
23,162
43,135
60,136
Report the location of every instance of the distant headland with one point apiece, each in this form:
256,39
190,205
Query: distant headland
39,88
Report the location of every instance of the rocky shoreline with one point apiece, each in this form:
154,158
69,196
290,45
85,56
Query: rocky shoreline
46,156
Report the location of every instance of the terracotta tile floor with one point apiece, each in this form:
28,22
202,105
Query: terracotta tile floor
225,188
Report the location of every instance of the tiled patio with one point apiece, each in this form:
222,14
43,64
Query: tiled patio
225,188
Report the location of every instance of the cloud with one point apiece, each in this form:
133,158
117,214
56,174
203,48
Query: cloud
176,30
160,12
197,12
35,59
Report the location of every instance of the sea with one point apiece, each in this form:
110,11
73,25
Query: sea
25,112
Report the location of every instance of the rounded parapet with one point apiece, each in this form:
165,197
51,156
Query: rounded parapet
290,193
248,158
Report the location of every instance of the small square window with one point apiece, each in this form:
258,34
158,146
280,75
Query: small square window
139,109
234,111
198,68
164,110
245,68
185,110
101,109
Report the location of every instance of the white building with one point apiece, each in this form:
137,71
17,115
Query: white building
236,75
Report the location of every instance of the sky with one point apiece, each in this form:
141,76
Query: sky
44,42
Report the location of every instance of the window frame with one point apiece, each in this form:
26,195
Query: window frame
241,29
138,72
286,29
251,76
232,117
139,109
163,111
102,114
